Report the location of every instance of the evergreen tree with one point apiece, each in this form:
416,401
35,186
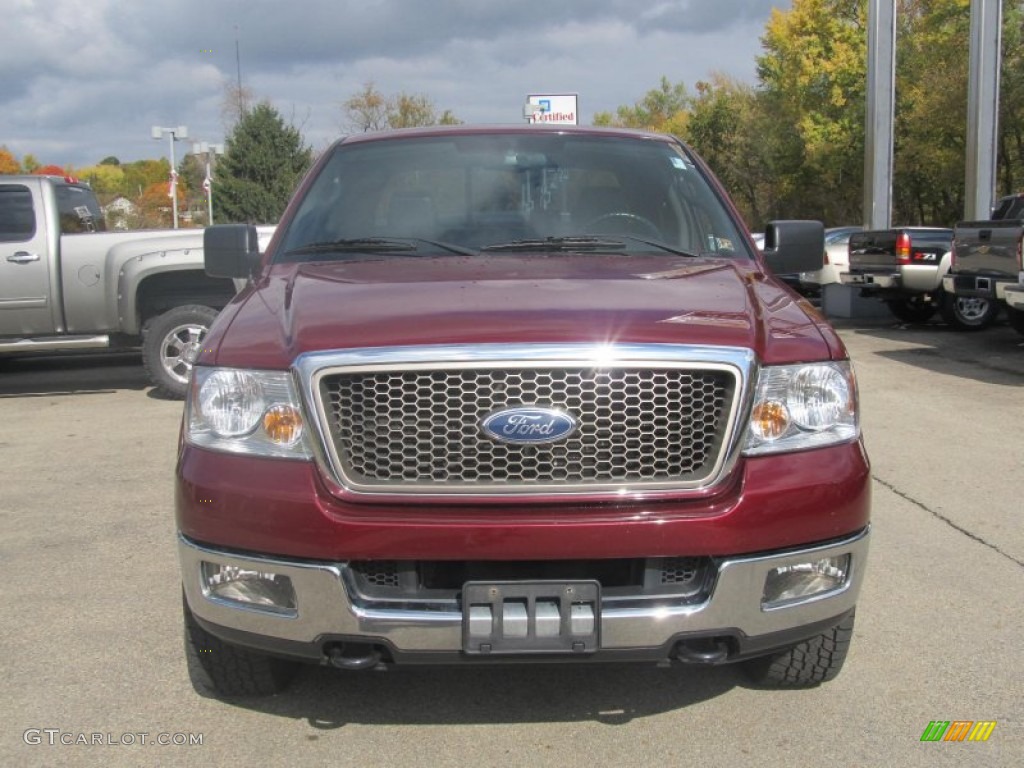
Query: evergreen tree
264,161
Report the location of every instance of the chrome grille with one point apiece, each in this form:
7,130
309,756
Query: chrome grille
398,429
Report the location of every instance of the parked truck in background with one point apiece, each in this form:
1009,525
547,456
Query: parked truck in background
904,267
509,395
988,260
67,284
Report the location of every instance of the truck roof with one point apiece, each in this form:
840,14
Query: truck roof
484,130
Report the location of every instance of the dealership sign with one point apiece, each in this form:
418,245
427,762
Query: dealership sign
554,108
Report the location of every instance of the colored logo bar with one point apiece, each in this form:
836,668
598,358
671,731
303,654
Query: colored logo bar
958,730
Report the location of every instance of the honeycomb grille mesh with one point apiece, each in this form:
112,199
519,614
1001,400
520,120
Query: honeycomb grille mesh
400,428
680,570
379,573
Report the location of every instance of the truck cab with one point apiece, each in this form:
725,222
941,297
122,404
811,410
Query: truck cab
34,212
68,284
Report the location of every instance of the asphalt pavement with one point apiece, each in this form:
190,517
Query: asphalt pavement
93,670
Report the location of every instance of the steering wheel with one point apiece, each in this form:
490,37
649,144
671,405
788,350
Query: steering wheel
627,223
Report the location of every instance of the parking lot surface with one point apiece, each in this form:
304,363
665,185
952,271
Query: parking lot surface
91,641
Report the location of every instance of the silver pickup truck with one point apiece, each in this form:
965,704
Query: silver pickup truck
67,284
988,259
904,267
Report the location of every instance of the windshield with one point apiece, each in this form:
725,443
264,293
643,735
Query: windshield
491,193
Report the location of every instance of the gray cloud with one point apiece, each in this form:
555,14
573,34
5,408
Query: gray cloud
82,81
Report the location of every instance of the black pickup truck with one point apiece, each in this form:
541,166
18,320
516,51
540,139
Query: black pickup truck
987,261
904,267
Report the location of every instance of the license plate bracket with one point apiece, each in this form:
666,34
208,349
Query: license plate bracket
527,617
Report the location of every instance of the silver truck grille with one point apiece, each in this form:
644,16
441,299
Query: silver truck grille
664,427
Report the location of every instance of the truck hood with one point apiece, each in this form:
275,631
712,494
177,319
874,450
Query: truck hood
296,308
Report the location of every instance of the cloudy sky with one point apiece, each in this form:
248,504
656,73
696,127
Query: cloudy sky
83,80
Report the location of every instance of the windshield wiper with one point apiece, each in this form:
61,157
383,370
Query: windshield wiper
353,245
663,246
446,246
402,245
556,244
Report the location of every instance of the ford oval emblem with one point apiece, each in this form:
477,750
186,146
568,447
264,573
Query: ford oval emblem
528,426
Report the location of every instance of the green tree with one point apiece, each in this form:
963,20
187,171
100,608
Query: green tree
727,126
664,109
410,111
29,163
931,110
156,207
106,180
141,174
263,162
1011,106
191,172
813,74
371,110
366,110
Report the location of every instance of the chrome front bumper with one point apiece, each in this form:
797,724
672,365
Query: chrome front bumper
328,605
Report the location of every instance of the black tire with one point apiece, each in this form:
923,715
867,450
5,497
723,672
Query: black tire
169,343
969,314
1015,317
911,309
221,669
810,663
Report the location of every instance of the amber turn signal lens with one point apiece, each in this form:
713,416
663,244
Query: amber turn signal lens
770,420
283,424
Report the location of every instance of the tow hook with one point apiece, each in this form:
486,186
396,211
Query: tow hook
353,656
708,651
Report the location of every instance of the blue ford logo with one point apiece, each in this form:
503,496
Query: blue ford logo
527,426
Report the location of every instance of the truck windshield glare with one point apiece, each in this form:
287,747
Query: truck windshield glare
479,192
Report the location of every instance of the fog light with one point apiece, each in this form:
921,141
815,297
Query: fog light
255,589
792,583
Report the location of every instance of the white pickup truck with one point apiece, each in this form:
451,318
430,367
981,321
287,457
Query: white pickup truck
67,284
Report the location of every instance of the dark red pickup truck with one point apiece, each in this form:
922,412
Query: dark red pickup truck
518,394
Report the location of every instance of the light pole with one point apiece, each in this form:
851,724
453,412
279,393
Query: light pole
173,134
210,150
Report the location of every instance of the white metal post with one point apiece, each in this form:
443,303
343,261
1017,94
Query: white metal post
881,105
983,106
173,134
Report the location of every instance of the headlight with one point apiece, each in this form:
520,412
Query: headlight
240,411
803,406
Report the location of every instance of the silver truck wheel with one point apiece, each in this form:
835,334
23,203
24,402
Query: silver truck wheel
969,313
171,343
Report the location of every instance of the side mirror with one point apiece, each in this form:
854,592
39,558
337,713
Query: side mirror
231,250
794,246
